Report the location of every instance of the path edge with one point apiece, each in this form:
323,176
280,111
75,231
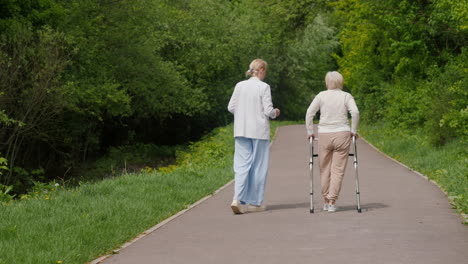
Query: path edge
463,216
159,225
167,220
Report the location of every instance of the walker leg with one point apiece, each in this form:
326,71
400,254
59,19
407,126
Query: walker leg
355,164
311,174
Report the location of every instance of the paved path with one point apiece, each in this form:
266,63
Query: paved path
405,220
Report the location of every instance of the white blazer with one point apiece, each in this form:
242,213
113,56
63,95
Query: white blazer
252,108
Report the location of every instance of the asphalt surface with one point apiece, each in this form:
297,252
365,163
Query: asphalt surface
405,219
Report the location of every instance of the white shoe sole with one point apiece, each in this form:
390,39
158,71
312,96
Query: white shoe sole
236,209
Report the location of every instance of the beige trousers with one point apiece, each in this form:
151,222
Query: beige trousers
333,157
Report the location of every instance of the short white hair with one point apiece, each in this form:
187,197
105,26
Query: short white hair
334,80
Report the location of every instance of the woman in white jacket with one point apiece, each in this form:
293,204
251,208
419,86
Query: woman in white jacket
252,108
334,135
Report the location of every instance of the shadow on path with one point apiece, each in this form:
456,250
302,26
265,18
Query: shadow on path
287,206
365,207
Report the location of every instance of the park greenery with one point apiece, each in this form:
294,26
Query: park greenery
118,82
79,78
113,112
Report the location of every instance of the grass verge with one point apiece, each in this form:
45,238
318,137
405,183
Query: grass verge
77,225
125,159
447,165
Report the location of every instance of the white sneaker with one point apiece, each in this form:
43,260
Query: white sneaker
256,208
331,208
325,207
237,207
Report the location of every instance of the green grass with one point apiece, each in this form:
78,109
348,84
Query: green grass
77,225
447,165
125,159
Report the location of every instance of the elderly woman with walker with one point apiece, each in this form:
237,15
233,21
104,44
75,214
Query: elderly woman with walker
252,108
334,134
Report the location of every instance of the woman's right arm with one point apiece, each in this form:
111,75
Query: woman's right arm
352,108
268,109
311,111
233,102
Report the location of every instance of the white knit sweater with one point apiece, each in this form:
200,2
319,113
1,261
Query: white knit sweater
334,106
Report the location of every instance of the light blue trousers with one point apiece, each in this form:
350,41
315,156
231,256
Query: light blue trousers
251,158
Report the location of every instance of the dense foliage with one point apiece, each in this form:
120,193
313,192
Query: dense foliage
406,62
79,77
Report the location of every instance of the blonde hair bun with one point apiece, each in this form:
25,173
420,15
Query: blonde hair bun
255,66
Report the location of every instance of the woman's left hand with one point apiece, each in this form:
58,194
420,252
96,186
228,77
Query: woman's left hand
278,112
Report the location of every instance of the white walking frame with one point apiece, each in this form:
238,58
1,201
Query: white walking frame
311,174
